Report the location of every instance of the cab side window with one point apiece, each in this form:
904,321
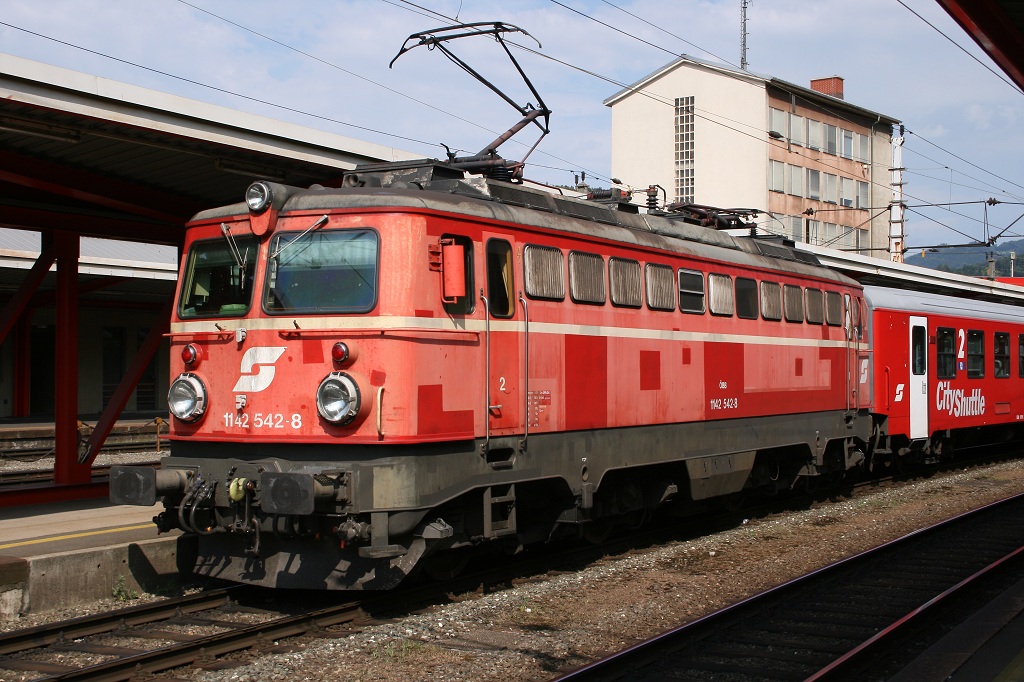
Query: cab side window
500,286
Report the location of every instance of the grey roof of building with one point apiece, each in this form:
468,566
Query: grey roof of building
803,92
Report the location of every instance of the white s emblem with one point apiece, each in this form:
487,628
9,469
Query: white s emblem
899,392
263,359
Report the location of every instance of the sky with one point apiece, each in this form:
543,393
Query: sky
324,64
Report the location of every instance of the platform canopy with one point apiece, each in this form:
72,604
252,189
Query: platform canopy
82,156
108,159
998,28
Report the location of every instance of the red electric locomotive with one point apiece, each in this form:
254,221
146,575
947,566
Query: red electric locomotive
422,361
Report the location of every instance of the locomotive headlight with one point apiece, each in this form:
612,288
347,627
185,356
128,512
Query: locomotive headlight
258,196
337,398
187,398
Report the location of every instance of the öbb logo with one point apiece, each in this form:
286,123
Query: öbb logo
262,358
956,402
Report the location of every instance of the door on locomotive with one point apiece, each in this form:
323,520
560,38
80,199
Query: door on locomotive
502,341
918,385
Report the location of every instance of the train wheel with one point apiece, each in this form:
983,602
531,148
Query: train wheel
446,565
595,532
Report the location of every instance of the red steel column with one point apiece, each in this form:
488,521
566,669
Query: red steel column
22,365
66,469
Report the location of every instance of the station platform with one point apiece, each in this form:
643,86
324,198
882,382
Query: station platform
80,551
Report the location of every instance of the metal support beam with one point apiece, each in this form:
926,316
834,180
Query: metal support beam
128,383
65,181
16,306
66,469
22,367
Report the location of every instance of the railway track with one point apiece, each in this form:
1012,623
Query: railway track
823,627
29,476
156,637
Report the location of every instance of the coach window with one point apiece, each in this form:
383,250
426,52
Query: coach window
975,354
660,287
945,353
543,273
1020,356
624,276
813,306
586,278
463,305
793,303
720,293
691,291
500,286
919,350
1002,355
746,298
771,301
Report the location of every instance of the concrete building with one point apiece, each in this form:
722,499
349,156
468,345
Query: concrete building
714,135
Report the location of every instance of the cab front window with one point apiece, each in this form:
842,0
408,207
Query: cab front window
323,271
218,278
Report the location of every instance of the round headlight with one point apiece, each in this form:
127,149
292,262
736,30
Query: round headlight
337,398
187,398
258,197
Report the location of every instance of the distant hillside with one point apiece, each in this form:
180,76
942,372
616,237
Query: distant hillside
972,260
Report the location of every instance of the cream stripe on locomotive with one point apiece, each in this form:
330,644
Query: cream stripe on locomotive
381,324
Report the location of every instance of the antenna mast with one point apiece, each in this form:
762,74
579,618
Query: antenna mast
743,33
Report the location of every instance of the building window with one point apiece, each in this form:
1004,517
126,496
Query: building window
846,192
796,228
813,134
776,176
796,181
830,188
796,129
684,150
830,141
863,198
846,148
863,148
777,122
813,231
813,184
